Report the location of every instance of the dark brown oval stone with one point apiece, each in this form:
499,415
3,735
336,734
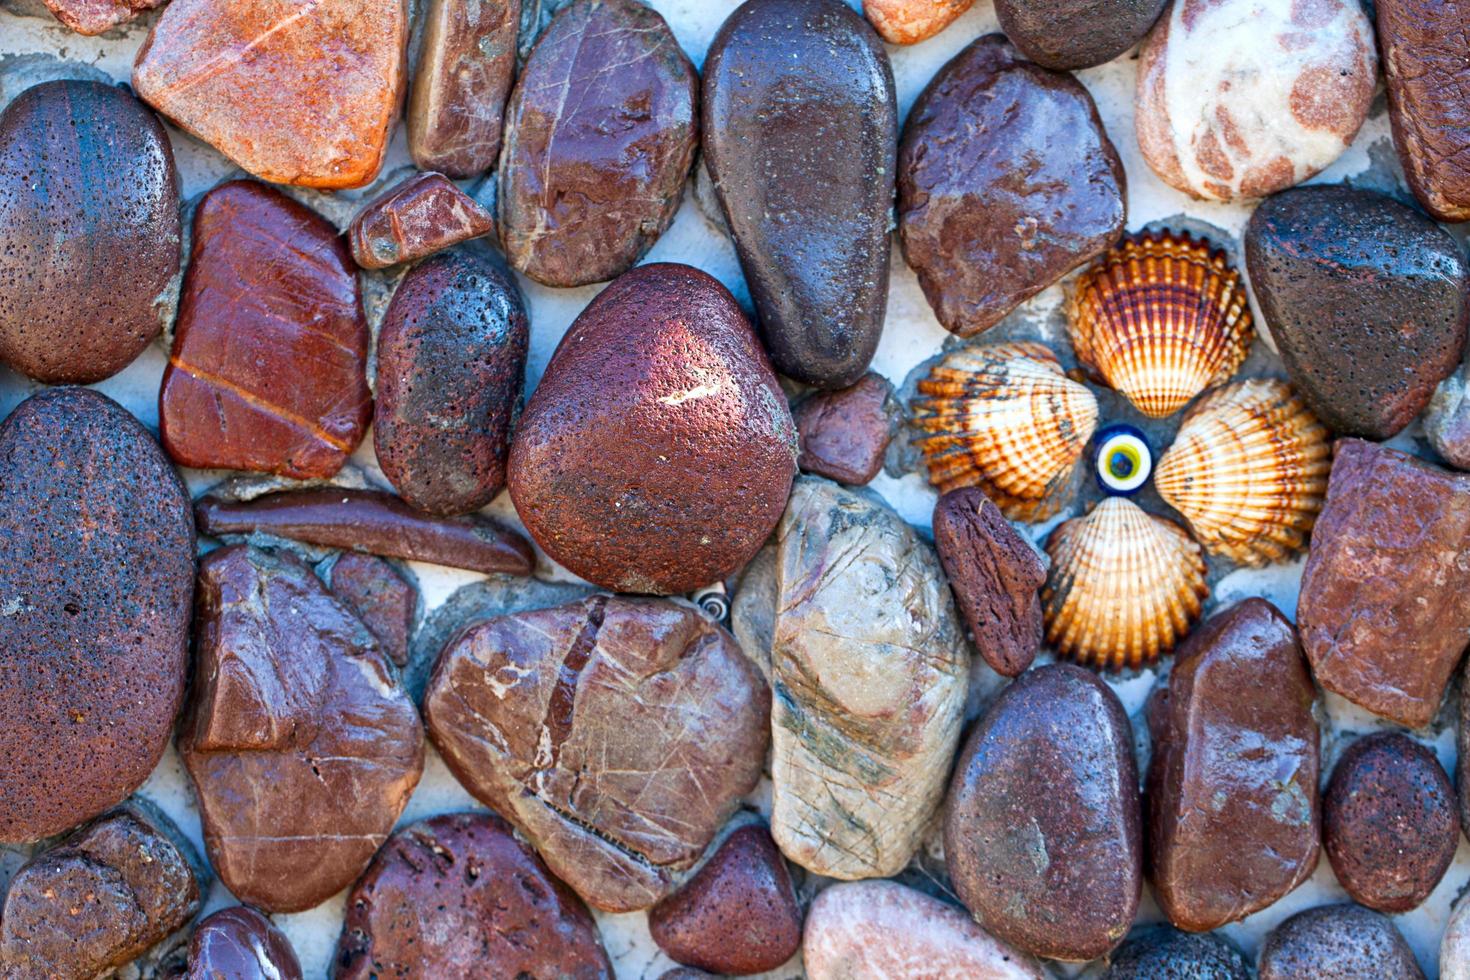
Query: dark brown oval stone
657,452
1041,829
239,943
1071,34
600,135
982,238
459,896
800,136
1337,942
1390,822
89,231
451,368
95,594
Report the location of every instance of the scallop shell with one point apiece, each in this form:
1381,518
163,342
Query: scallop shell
1248,470
1160,318
1003,417
1123,587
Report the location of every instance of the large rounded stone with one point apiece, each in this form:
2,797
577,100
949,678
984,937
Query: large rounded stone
1366,300
981,240
1071,34
95,593
89,231
1041,830
239,943
1162,953
600,135
800,136
1337,942
657,451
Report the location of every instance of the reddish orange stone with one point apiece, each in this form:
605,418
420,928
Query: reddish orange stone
415,218
93,17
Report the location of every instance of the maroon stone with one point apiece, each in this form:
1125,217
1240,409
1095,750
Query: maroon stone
420,216
240,944
995,575
374,522
844,434
459,896
1337,942
465,69
268,370
381,598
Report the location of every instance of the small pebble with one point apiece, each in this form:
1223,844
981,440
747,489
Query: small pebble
844,434
420,216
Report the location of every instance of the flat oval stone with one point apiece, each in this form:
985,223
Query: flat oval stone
1390,822
381,597
1069,34
301,747
912,21
560,719
89,231
1163,953
600,136
1223,113
1232,784
884,929
451,369
457,103
869,673
460,896
93,17
292,93
982,241
1366,300
657,451
1049,770
417,217
800,136
239,943
269,365
96,592
1337,942
844,434
1428,82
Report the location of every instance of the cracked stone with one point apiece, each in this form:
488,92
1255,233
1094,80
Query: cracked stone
422,215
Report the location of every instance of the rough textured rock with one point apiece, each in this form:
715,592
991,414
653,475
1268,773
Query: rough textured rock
883,929
844,434
459,896
1454,945
380,597
738,915
294,94
301,747
92,17
981,239
1049,770
617,734
1162,953
1069,34
1390,822
239,943
1337,942
94,609
995,575
466,64
1233,811
869,674
99,898
596,159
800,130
656,453
1365,299
268,370
451,369
1385,598
1224,113
1428,83
420,216
912,21
89,231
373,522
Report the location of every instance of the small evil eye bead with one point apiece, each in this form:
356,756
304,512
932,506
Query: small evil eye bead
1123,460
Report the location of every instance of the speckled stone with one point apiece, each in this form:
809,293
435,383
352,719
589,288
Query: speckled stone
380,597
457,103
239,943
1164,953
420,216
93,17
845,434
1337,942
1069,34
912,21
1454,945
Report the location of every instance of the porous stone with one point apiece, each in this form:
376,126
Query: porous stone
1365,299
618,735
869,672
657,451
301,746
1337,942
239,943
600,135
1049,770
268,370
1385,598
89,231
466,63
800,133
1163,953
95,594
459,896
912,21
381,598
844,434
981,240
1224,113
92,17
1069,34
1233,810
292,93
420,216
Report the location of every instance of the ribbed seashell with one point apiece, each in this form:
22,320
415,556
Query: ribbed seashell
1160,318
1003,417
1248,470
1123,587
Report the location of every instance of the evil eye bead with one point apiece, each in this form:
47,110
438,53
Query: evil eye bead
1123,461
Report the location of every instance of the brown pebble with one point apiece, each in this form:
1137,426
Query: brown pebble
844,434
419,216
384,602
239,943
466,65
